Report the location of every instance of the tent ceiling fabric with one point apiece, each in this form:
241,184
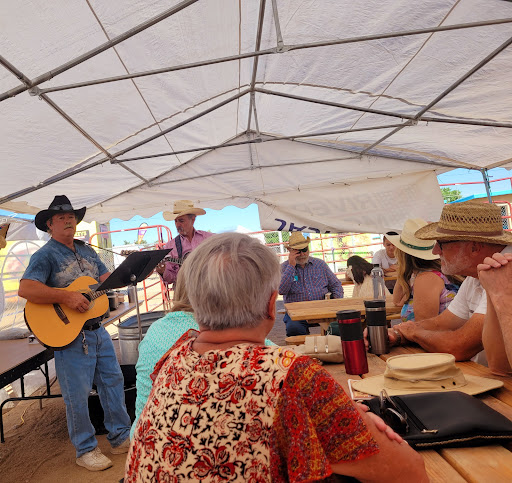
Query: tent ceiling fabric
416,104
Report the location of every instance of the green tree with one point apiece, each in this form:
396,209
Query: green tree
450,195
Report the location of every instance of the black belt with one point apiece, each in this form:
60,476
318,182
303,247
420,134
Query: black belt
94,326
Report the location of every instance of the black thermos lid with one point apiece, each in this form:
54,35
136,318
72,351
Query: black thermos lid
375,304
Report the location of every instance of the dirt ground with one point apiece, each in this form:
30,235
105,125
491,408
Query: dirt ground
37,447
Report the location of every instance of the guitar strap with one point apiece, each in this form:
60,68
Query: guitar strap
178,246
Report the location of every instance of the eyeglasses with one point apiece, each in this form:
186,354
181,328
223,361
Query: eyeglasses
80,261
303,250
392,415
441,243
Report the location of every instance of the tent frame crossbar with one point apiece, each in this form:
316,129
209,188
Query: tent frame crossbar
252,104
295,163
255,141
256,54
97,50
110,157
384,113
448,90
66,117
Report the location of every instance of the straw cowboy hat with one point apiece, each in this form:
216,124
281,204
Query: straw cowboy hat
3,235
414,373
468,221
297,241
408,243
60,204
183,207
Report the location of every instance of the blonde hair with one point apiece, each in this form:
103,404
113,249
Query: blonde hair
409,264
230,278
180,302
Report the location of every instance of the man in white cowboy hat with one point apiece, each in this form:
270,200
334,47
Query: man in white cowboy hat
305,278
184,215
465,235
495,275
91,356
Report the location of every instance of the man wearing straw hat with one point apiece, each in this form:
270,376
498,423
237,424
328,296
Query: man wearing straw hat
184,215
305,278
465,235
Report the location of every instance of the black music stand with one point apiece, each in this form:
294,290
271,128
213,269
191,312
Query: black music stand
136,268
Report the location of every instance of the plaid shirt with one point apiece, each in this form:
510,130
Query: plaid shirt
309,283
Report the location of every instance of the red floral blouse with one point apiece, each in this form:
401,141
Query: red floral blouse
248,413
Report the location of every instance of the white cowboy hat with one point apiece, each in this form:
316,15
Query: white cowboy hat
414,373
183,207
408,243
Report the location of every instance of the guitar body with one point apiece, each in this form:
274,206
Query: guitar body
49,327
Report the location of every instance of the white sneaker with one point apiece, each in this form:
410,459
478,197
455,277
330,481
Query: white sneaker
94,460
122,448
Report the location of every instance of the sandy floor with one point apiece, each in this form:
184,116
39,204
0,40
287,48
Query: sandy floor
38,450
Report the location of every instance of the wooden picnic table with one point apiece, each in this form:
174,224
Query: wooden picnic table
323,312
476,465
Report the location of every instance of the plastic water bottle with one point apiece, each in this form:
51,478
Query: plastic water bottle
379,287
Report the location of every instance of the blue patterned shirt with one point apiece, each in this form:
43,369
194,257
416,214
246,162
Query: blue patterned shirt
160,337
310,282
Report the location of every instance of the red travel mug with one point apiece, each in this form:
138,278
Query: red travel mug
352,341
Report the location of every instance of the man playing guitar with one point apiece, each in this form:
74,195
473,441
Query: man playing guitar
184,215
90,357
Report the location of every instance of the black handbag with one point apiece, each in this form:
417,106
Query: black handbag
442,419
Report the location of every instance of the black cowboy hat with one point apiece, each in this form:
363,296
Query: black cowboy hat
60,204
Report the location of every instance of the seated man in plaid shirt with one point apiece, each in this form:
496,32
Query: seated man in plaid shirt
305,278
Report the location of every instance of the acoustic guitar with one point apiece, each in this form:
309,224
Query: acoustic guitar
56,325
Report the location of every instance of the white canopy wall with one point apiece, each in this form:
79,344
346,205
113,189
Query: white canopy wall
332,115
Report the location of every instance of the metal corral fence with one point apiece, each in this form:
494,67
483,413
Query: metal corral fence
334,249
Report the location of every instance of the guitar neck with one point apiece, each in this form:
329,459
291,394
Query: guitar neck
94,295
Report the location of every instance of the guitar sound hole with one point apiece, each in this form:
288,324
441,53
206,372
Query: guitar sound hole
87,296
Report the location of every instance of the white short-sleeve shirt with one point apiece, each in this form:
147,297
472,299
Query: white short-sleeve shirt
381,257
470,299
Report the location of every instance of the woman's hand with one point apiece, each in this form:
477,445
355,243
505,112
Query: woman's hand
380,424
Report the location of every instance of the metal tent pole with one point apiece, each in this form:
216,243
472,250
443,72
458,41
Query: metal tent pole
97,50
485,175
257,53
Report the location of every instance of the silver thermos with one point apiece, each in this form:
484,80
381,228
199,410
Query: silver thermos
377,326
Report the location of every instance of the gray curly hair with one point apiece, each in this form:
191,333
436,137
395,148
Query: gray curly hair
230,278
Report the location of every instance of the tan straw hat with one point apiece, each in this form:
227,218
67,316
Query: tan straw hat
468,221
182,207
408,243
297,241
414,373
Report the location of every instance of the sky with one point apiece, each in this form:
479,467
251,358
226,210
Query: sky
229,218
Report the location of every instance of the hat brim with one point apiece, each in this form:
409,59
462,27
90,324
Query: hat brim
298,246
430,232
44,215
474,385
169,216
423,254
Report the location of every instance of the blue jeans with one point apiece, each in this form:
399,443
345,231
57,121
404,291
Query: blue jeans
76,373
295,327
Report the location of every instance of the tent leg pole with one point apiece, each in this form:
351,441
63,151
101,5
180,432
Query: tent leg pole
487,184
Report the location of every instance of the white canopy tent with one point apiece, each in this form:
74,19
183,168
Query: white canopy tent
332,115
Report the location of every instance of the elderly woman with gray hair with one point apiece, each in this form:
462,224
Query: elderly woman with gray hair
225,407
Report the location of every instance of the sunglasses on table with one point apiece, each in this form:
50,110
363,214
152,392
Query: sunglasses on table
392,415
